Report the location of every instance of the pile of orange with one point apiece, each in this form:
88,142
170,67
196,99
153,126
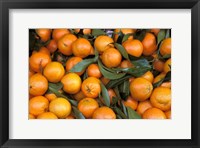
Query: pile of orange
58,91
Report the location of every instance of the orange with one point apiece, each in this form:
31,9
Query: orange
103,42
111,57
70,117
143,106
47,115
124,31
133,47
38,105
31,73
131,79
126,64
155,31
161,98
130,102
30,116
149,44
38,61
158,65
85,31
54,72
87,106
91,87
38,85
44,50
65,44
111,94
81,48
104,80
60,107
166,84
140,89
52,46
148,76
93,71
58,33
44,34
79,96
71,83
72,62
159,77
50,97
167,66
165,47
104,113
168,114
154,113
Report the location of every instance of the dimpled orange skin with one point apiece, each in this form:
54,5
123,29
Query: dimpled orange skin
38,61
154,113
130,102
60,107
58,33
72,62
143,106
148,76
65,44
38,105
54,72
81,48
149,44
93,71
87,106
133,47
38,85
44,34
104,113
161,98
71,83
91,87
111,58
47,115
167,66
103,42
140,89
165,47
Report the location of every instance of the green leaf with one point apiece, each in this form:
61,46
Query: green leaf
56,86
132,114
97,32
165,79
167,56
77,113
126,36
123,108
119,112
116,90
105,95
120,37
124,89
168,33
117,82
122,50
108,74
115,100
161,36
140,34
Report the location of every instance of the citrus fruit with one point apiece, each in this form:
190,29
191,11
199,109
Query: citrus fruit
50,96
124,31
104,113
148,76
126,64
103,42
165,47
44,34
149,44
168,114
47,115
52,46
154,113
72,62
93,71
58,33
167,66
158,65
130,102
143,106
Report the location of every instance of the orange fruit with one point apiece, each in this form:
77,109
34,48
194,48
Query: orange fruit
158,65
130,102
140,89
133,47
31,73
59,33
30,116
111,57
70,117
149,44
159,77
38,105
72,62
52,46
154,113
104,113
81,48
165,47
65,44
166,84
143,106
87,106
104,80
126,64
131,79
155,31
161,98
44,50
85,31
38,61
111,94
54,72
38,85
47,115
50,97
44,34
103,42
71,83
79,96
168,114
167,66
124,31
60,107
148,76
91,87
93,71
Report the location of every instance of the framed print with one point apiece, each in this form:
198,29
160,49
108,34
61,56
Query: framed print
96,74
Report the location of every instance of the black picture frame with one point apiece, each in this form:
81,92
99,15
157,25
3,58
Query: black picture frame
5,5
